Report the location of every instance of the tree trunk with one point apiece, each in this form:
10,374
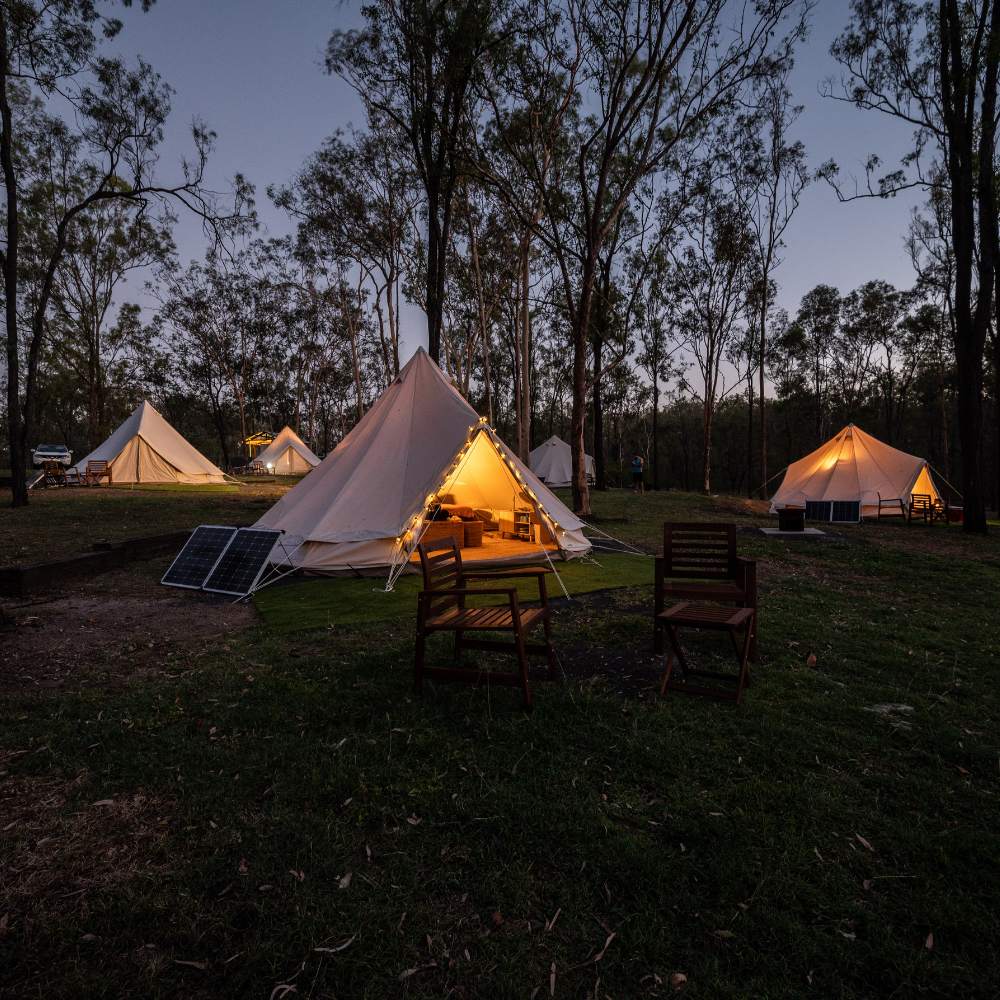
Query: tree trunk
16,432
761,398
706,447
599,467
524,332
656,430
750,483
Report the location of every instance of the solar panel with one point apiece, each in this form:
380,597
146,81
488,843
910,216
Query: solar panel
846,511
240,566
198,557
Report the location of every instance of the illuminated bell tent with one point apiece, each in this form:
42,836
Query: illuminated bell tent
146,449
552,462
842,480
288,455
421,463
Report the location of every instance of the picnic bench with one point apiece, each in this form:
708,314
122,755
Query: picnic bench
442,606
699,562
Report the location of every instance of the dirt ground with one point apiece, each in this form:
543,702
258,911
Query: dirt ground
111,629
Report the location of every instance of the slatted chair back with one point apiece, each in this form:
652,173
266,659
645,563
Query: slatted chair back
441,565
97,469
920,502
699,551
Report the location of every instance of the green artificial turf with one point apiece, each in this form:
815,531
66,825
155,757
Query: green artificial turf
316,602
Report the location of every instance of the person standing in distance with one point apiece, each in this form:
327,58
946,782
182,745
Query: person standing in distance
638,465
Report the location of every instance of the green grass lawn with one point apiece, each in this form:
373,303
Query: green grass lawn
278,816
61,522
321,603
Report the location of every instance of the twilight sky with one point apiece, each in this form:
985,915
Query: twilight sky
252,69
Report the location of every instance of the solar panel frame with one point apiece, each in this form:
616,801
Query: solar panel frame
210,563
247,581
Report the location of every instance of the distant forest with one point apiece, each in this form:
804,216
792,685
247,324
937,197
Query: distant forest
588,202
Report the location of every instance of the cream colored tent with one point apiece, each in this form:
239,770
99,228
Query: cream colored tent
288,455
552,462
146,449
364,506
842,480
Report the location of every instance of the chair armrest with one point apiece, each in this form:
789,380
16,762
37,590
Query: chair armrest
426,596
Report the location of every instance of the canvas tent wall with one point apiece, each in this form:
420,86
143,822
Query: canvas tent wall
842,480
146,449
552,462
288,455
364,505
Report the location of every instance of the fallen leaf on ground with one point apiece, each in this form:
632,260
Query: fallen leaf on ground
678,980
346,880
929,941
340,947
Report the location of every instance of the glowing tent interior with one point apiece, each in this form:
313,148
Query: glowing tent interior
288,455
552,462
146,449
843,479
421,462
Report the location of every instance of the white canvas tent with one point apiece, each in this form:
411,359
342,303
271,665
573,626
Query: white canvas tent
364,506
146,449
288,455
552,462
842,480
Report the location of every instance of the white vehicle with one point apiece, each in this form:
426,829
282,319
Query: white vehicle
52,453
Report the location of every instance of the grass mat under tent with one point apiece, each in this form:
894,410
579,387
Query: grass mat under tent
315,602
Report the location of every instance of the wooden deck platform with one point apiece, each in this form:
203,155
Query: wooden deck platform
496,550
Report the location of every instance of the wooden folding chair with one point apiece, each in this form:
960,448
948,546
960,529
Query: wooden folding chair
97,469
699,563
442,606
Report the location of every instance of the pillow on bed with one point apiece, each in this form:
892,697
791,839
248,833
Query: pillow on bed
457,510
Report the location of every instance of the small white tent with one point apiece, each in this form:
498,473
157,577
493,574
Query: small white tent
552,462
146,449
843,479
365,505
288,455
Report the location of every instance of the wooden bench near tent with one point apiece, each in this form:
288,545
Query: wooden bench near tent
442,607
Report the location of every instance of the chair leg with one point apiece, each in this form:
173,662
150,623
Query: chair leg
675,645
744,678
522,663
668,670
418,662
550,653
